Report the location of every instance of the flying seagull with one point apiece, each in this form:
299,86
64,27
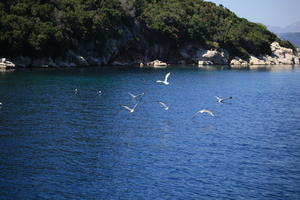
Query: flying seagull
204,111
136,96
131,110
164,105
221,100
166,79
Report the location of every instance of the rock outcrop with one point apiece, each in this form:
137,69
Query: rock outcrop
238,61
216,57
208,62
284,55
190,54
6,64
280,56
157,64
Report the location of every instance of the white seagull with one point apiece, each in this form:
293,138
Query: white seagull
0,103
204,111
164,105
75,90
131,110
166,79
221,100
135,96
99,92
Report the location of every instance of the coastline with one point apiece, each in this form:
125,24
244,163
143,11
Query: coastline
266,68
188,55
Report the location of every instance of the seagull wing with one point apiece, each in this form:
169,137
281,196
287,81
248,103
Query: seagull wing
132,95
163,104
134,106
167,76
127,108
227,98
196,113
203,111
207,111
218,98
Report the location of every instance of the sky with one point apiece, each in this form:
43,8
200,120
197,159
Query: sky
268,12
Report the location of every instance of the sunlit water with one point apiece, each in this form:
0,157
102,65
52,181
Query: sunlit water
55,144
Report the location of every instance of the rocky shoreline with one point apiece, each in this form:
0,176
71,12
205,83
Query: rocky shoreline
280,56
188,54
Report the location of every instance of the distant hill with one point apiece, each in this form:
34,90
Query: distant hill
276,29
292,28
292,37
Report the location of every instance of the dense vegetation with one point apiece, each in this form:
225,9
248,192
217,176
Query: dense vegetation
38,27
50,27
211,25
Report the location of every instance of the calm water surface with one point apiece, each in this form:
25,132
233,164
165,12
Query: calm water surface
55,144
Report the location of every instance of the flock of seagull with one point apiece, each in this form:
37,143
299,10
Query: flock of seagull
164,105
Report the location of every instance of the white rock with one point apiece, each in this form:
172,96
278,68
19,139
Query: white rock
238,61
216,57
285,61
81,61
5,64
77,59
205,63
256,61
271,60
281,55
157,64
289,56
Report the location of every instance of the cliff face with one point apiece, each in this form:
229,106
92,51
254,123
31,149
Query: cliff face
127,32
120,53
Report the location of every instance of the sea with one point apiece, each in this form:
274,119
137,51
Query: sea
65,133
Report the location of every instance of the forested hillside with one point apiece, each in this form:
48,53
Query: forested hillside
50,28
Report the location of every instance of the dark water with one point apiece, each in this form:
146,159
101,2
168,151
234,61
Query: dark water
55,144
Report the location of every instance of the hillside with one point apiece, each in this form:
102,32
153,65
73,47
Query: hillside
112,30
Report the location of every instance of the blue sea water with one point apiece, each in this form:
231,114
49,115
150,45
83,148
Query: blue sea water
55,144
